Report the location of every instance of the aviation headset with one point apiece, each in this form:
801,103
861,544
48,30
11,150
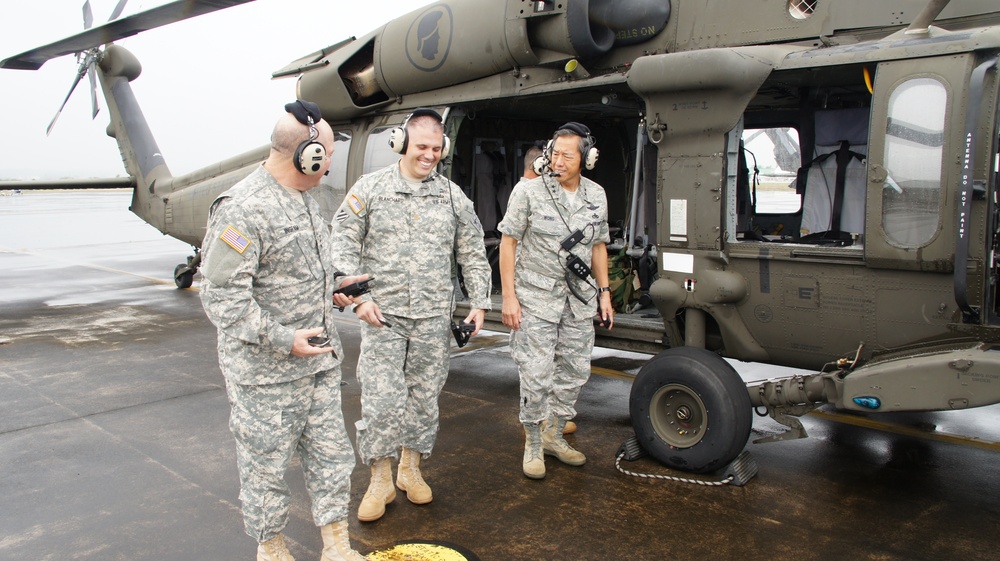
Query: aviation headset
590,151
399,139
309,155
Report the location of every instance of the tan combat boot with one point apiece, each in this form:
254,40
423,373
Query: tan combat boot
337,543
409,479
274,549
554,444
380,492
533,463
570,427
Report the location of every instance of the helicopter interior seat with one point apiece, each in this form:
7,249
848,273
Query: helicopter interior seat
490,180
833,185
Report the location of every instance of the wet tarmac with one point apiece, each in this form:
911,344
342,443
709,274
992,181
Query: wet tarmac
114,442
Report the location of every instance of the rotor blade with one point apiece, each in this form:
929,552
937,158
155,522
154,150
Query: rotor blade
88,15
79,76
178,10
118,10
94,108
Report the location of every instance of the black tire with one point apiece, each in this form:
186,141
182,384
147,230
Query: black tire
690,410
183,280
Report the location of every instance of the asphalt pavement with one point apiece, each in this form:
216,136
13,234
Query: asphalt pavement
114,439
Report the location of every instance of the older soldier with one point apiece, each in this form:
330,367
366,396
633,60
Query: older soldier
554,233
405,225
268,287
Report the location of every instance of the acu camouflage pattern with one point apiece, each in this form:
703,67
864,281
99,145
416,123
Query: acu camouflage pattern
271,422
280,403
283,281
551,381
399,407
406,236
540,266
552,348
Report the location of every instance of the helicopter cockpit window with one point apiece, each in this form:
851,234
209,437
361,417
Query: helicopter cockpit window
378,154
914,147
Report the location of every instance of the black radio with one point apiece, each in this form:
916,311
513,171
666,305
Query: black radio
577,266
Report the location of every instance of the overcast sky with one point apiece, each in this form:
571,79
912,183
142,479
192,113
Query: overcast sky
205,88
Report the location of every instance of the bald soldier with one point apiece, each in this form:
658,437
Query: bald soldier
268,288
406,225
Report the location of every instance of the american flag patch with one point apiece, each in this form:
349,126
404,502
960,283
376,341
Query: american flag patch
355,203
235,240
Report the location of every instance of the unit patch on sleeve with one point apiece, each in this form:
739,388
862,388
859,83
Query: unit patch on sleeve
235,240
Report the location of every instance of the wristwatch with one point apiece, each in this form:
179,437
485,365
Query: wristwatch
604,289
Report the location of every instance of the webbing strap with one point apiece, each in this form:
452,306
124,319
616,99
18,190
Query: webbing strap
965,193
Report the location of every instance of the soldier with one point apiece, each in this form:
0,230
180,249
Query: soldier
553,235
404,225
268,288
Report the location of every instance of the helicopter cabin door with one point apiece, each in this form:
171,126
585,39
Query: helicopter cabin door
922,217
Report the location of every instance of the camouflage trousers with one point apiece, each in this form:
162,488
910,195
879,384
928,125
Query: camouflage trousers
402,370
553,363
273,421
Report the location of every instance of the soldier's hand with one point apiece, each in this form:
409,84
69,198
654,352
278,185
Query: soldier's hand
477,316
369,313
606,311
511,312
341,300
301,346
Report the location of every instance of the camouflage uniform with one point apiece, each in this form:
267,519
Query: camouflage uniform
405,235
280,281
553,346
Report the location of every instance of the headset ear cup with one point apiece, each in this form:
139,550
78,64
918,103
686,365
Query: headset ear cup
309,156
590,158
539,164
446,147
397,139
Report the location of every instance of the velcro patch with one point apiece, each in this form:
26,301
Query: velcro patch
235,240
355,203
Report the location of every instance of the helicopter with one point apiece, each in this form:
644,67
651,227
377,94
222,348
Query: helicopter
801,183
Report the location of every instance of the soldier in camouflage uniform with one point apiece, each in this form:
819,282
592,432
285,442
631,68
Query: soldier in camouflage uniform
404,225
268,287
549,310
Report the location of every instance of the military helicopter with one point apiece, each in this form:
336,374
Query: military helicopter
814,182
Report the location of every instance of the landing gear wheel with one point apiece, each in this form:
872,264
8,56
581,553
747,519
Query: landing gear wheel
183,279
690,410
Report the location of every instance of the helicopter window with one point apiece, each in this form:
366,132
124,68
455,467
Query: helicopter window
802,9
378,154
763,199
772,157
914,147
